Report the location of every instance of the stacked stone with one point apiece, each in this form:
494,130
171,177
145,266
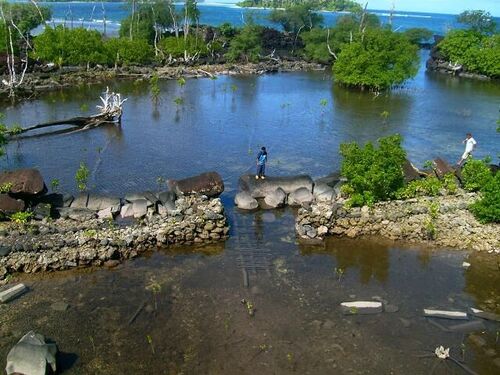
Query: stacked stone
61,244
410,220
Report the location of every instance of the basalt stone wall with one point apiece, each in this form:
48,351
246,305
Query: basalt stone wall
442,221
65,243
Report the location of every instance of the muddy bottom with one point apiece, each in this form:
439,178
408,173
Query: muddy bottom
263,304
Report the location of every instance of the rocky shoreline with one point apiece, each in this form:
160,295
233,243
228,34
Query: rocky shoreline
442,221
54,78
50,245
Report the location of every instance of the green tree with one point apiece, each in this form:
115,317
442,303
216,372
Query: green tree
487,209
373,174
377,59
418,35
150,19
478,20
65,46
478,53
24,15
246,45
123,51
296,18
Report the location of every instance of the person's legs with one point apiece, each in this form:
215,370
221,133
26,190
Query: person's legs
259,171
263,171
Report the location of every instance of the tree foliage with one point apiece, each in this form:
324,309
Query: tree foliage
476,174
24,15
418,35
246,45
487,209
373,174
296,18
332,5
124,51
477,52
478,20
191,45
77,46
379,59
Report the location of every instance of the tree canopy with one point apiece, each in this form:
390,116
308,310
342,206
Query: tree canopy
478,20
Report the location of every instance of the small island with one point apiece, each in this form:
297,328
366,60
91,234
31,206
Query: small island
328,5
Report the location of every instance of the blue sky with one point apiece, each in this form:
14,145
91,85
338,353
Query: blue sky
431,6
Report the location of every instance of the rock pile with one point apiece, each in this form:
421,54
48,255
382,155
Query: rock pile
81,231
411,220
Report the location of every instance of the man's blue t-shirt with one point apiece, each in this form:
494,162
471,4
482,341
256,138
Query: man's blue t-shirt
262,158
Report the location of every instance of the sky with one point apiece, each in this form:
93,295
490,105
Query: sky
430,6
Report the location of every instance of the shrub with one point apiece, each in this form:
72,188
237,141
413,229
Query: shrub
65,46
418,35
128,52
477,52
21,217
429,186
246,45
373,173
81,176
487,209
476,174
176,47
378,60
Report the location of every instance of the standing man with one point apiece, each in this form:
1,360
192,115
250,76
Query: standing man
261,164
470,145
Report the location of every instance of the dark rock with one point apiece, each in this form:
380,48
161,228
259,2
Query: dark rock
41,211
9,205
442,168
4,250
209,184
25,182
261,188
411,173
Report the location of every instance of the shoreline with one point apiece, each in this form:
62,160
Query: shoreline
36,83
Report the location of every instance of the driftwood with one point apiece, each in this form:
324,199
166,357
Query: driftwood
110,112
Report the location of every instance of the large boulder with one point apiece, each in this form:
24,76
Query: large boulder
209,184
300,197
9,205
148,195
329,180
80,201
276,198
442,168
262,188
25,182
245,201
167,199
140,208
31,356
324,192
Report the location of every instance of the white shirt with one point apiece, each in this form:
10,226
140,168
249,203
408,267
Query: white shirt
469,144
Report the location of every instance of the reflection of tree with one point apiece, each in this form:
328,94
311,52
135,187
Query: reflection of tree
482,281
258,226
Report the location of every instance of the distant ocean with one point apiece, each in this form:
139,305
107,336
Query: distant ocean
92,15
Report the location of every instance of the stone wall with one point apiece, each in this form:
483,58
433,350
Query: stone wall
442,221
65,243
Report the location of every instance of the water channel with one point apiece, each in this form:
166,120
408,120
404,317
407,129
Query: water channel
192,320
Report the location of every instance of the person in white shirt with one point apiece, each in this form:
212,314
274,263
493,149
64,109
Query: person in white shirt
470,145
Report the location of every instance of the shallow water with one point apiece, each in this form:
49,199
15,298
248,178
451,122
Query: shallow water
193,321
222,124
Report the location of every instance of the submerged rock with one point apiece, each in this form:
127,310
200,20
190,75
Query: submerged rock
31,356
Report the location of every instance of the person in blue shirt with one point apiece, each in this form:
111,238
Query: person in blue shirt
261,164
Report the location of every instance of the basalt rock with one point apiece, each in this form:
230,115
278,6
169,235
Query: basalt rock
24,182
209,184
300,197
245,201
262,188
10,205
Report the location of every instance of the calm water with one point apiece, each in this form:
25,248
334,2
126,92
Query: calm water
90,14
196,323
